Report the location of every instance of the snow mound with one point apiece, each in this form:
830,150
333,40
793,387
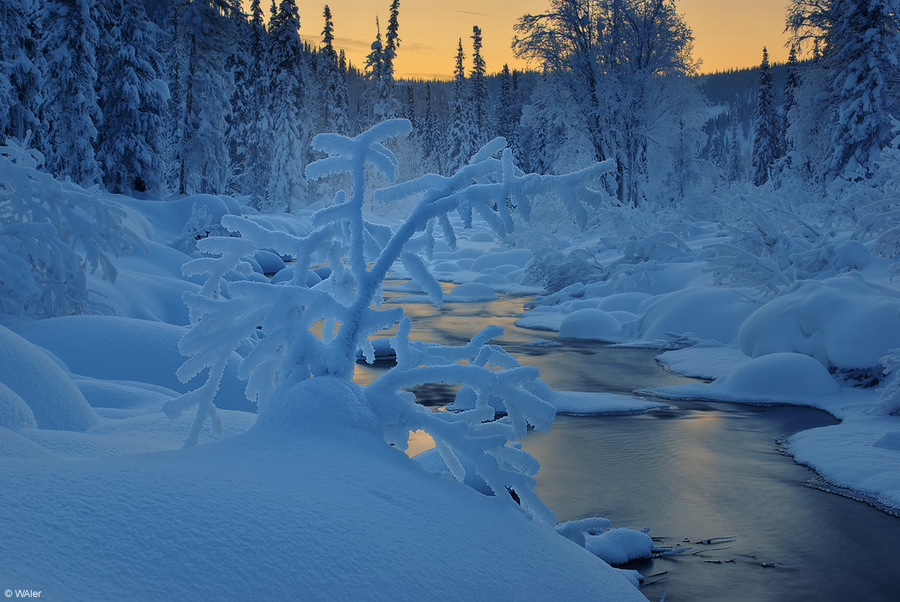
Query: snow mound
619,545
15,414
490,261
590,325
28,372
778,378
126,349
844,322
471,292
704,312
581,403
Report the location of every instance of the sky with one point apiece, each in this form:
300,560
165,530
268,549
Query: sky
727,33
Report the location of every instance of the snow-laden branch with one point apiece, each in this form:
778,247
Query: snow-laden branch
305,327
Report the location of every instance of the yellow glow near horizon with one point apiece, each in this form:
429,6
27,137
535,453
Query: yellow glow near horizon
727,33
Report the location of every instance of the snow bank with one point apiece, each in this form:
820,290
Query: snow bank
581,403
29,373
113,348
844,322
860,454
778,378
235,520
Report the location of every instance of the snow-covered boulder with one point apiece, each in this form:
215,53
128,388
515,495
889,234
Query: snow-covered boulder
30,375
844,322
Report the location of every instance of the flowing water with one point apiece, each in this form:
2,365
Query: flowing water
704,476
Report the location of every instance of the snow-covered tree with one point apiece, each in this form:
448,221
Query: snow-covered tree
287,93
479,92
789,101
20,78
765,126
860,40
391,43
134,101
460,136
432,134
51,234
382,103
201,88
334,97
506,118
70,111
620,62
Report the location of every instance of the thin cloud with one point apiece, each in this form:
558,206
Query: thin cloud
469,12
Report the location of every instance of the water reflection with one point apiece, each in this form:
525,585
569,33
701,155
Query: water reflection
707,476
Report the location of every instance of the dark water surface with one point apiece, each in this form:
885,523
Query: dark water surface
707,476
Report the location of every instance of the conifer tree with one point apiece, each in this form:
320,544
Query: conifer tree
201,102
791,85
70,110
857,43
391,43
133,99
253,178
20,77
382,104
765,126
287,97
334,98
459,147
479,108
432,136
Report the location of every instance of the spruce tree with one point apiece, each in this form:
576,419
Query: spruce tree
334,89
254,177
287,95
765,126
479,99
791,86
459,147
133,100
863,56
379,71
70,110
391,43
201,100
432,135
20,77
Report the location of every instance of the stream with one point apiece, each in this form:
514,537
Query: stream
704,476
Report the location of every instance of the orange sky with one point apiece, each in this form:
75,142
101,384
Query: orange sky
728,33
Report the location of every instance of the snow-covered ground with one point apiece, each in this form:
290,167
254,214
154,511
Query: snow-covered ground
305,500
100,499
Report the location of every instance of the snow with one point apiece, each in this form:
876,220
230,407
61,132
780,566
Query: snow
844,322
584,403
590,325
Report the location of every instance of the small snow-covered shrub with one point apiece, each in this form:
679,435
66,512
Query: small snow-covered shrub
51,232
769,246
303,329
